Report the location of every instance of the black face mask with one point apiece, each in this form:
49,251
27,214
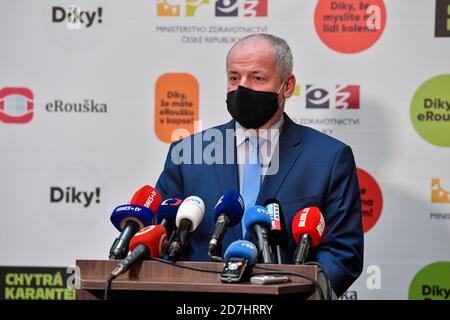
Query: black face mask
252,108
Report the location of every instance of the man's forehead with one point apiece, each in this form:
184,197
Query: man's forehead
252,51
252,44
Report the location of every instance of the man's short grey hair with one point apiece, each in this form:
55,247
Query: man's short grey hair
284,61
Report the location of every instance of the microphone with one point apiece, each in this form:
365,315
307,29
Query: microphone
257,220
278,236
167,212
190,214
147,197
228,213
132,217
149,242
240,256
308,230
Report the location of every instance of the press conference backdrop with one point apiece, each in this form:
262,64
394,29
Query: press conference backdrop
90,92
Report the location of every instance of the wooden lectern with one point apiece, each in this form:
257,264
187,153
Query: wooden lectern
157,280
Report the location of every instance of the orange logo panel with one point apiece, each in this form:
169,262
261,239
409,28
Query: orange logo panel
176,106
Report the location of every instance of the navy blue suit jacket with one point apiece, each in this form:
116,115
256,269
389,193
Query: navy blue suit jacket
314,170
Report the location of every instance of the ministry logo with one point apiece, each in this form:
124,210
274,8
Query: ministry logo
442,22
248,8
440,197
340,97
438,193
222,8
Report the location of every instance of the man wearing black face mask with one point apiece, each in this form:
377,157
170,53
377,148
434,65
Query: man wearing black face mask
264,154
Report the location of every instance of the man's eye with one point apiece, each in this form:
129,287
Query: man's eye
232,78
259,78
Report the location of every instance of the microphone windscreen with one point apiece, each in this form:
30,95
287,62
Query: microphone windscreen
153,237
231,204
310,221
147,197
257,215
141,215
193,209
169,208
242,249
275,215
271,200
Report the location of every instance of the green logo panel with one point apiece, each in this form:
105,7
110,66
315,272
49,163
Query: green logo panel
431,283
430,110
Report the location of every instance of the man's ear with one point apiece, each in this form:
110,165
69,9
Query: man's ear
289,87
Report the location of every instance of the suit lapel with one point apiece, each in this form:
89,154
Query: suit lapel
227,173
288,151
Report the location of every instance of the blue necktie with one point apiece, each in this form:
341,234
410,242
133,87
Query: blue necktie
252,177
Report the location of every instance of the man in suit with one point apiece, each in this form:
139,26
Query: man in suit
297,165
